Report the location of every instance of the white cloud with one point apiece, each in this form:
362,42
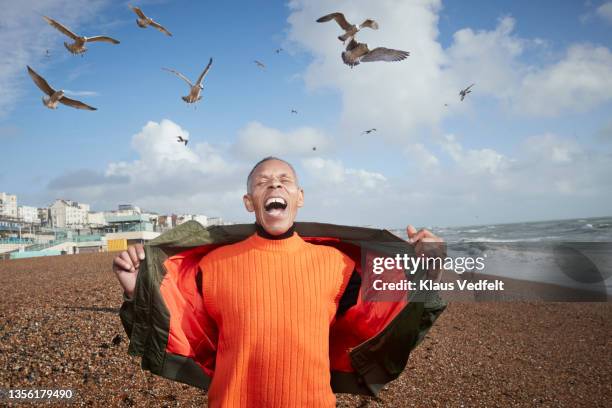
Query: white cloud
581,81
605,11
396,98
80,93
329,173
166,176
474,161
488,58
419,153
256,141
26,36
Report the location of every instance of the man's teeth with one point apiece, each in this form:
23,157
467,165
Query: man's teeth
275,200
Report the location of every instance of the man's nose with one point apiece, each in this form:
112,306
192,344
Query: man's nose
275,183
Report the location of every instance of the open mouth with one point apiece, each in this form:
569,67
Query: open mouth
275,205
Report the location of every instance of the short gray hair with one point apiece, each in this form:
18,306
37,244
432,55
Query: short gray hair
265,159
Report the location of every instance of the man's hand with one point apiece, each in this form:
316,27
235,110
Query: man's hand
125,266
429,245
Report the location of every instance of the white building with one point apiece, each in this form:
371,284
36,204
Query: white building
67,213
202,219
214,221
8,205
43,216
28,214
96,219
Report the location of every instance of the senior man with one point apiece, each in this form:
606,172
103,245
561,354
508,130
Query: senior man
264,305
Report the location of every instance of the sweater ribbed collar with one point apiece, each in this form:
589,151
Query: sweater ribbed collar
288,242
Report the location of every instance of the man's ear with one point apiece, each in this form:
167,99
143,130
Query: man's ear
248,203
300,200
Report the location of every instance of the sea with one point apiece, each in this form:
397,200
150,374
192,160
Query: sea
575,230
574,253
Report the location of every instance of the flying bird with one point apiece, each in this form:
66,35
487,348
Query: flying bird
144,21
367,132
78,46
54,97
278,50
260,64
463,93
195,89
314,148
349,29
47,54
294,111
180,139
359,52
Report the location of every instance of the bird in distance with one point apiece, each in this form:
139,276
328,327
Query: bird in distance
144,21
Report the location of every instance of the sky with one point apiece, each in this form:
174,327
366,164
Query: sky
533,141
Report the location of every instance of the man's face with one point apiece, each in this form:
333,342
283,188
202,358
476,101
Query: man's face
274,197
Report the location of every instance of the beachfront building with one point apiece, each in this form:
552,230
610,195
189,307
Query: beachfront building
28,214
8,205
67,213
96,219
181,219
214,221
44,217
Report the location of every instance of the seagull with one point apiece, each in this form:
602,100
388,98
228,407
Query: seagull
260,64
78,46
294,111
47,54
144,21
367,132
278,50
349,29
359,52
55,97
463,93
181,140
195,89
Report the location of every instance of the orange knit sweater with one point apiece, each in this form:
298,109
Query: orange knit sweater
273,302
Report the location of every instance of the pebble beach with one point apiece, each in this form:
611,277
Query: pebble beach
60,329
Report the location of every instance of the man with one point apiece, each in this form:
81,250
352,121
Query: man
267,301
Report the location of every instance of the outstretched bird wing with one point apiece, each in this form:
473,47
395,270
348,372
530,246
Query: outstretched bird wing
161,28
138,11
61,28
203,74
40,82
339,17
369,23
385,54
102,38
178,74
468,88
76,104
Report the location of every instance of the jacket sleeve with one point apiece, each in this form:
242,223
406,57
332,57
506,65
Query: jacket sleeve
126,313
432,309
351,293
